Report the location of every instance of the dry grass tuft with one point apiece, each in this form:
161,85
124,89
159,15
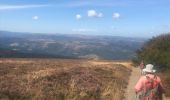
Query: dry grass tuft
56,79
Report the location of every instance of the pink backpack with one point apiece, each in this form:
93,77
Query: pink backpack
150,90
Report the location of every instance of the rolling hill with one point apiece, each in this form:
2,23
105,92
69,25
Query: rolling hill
31,45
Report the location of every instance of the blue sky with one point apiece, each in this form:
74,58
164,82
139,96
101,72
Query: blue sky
141,18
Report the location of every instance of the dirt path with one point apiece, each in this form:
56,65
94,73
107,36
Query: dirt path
135,75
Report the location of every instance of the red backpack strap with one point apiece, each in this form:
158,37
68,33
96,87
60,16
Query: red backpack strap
154,87
152,81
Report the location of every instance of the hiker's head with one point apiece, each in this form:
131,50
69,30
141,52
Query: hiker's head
149,69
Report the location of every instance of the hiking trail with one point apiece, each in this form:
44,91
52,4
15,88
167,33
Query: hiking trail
135,75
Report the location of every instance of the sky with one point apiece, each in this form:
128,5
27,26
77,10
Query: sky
132,18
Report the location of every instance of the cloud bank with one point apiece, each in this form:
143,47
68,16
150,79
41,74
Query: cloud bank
83,30
12,7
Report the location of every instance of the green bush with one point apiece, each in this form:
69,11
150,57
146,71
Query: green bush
156,51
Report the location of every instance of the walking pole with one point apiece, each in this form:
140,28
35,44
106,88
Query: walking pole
135,97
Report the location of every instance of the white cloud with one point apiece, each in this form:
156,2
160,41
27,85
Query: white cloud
8,7
93,13
84,30
96,3
78,16
100,15
35,17
116,16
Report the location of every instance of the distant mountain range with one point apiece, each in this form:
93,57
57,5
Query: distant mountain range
28,45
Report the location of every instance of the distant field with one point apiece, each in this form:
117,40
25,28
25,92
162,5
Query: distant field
63,79
31,45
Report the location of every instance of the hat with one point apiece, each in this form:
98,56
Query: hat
149,68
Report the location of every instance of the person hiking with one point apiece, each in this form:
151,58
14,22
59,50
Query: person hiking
149,86
142,67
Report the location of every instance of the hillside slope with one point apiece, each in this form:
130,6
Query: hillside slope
59,79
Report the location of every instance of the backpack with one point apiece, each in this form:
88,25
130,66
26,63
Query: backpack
151,89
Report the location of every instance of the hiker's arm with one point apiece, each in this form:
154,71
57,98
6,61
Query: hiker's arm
139,85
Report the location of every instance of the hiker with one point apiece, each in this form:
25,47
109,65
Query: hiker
142,67
149,86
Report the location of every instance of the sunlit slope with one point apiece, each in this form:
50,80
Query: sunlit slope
62,79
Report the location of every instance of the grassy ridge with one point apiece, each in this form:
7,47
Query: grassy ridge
61,79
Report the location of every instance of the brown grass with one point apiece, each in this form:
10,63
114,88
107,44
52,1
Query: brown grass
61,79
